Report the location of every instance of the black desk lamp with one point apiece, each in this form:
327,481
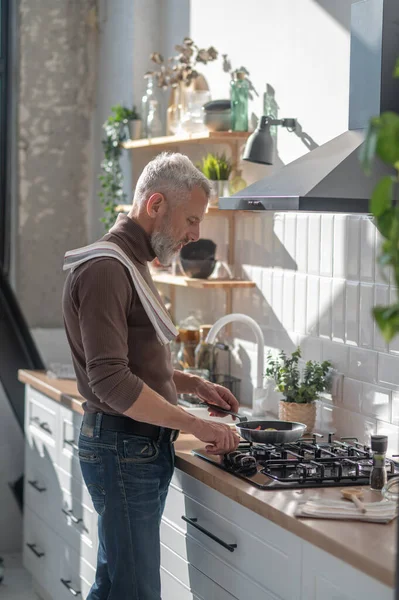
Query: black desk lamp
260,145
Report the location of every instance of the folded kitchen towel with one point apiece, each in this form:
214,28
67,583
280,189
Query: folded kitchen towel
377,512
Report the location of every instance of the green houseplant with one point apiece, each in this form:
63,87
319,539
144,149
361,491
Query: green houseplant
111,177
382,139
217,168
300,390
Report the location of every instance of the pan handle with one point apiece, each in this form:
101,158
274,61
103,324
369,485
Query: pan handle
224,410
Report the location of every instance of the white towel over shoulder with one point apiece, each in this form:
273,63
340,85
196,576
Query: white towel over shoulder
165,329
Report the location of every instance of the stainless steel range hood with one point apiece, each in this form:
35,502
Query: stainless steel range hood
330,177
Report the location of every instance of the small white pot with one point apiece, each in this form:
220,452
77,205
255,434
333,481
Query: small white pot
135,129
220,189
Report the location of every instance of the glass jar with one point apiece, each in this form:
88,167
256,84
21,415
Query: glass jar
378,475
390,491
239,89
205,352
189,336
193,118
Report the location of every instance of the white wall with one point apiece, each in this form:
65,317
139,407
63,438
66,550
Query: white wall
114,86
316,276
297,47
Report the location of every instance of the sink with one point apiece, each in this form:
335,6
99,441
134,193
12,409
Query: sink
202,413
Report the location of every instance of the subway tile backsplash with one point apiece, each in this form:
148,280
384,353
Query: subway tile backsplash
319,281
322,282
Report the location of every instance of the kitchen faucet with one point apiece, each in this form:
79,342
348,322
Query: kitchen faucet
259,392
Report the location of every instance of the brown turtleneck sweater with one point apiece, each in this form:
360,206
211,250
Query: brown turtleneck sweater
114,346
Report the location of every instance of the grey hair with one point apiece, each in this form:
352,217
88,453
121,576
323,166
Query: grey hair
172,174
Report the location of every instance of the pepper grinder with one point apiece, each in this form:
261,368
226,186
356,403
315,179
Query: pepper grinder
378,475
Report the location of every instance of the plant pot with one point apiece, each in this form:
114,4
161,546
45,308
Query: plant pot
298,413
135,129
219,189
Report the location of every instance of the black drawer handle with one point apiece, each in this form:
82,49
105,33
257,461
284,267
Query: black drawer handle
70,514
193,522
72,444
37,487
67,583
33,548
43,425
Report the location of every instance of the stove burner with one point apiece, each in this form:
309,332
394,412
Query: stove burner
310,462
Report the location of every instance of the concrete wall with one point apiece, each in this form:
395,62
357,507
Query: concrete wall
56,99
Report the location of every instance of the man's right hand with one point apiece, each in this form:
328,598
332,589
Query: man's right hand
220,438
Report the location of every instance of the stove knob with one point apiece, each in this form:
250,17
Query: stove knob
247,463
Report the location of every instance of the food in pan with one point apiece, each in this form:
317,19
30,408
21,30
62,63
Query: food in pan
259,428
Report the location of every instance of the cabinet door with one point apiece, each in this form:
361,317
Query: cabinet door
192,582
264,552
41,425
325,577
70,422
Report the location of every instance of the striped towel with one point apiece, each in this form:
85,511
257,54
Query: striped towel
377,512
165,330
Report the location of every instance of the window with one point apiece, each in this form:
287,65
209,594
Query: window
5,224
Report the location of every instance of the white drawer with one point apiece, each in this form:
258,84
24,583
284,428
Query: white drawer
41,424
265,552
38,549
77,525
229,578
42,491
70,422
194,582
173,589
72,575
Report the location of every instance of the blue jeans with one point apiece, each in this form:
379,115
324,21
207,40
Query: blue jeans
128,478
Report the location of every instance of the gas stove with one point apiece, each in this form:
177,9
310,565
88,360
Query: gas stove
310,462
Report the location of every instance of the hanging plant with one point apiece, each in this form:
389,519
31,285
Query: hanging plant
111,178
383,140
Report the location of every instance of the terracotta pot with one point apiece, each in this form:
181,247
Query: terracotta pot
298,413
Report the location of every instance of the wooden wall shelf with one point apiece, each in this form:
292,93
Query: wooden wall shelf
220,284
209,137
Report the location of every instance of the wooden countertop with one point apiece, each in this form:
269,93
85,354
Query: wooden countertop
369,547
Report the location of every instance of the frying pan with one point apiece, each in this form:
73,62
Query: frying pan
287,431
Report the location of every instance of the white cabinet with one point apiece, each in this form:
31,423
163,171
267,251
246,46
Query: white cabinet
246,555
328,578
60,524
264,561
212,548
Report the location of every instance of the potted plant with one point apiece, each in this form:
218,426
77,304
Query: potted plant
217,168
134,123
111,177
300,390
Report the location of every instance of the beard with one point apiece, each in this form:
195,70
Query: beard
164,243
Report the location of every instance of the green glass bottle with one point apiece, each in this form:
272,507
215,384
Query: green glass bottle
270,108
239,88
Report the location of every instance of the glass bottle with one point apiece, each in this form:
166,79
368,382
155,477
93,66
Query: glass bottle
270,108
378,475
237,183
154,124
204,352
239,88
149,95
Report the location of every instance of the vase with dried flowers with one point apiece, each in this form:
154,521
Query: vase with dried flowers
179,74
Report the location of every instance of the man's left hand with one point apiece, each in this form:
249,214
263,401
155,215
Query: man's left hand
212,393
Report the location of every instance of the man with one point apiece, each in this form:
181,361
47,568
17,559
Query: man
117,331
